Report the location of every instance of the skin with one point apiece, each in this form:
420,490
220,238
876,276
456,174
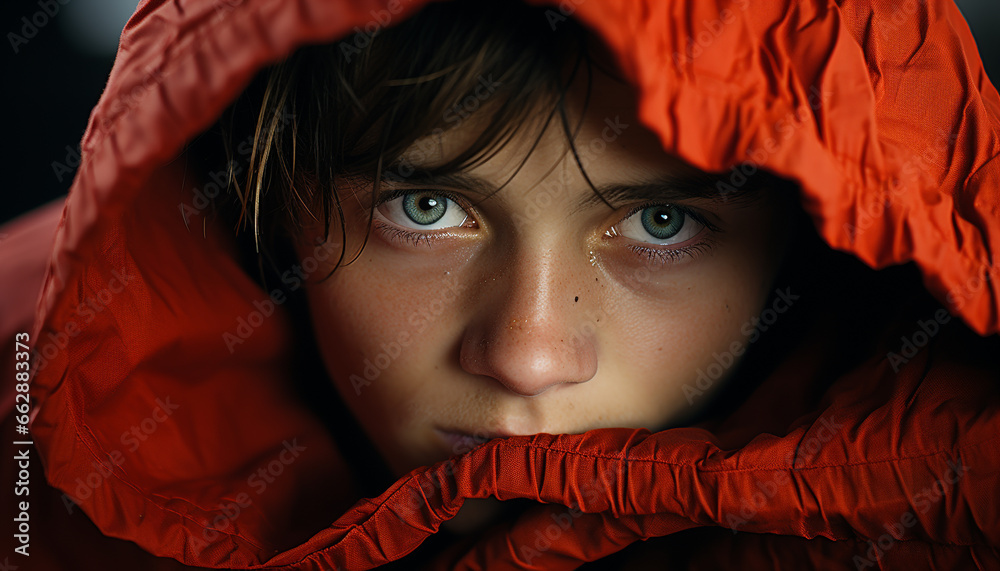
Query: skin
535,315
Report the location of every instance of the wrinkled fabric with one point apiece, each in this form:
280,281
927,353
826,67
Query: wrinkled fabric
880,111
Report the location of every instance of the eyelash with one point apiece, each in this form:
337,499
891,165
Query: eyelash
403,236
654,254
669,255
673,255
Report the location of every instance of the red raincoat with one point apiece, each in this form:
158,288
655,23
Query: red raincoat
145,429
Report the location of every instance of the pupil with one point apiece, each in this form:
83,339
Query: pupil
424,208
662,222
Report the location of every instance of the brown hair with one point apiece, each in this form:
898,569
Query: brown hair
351,108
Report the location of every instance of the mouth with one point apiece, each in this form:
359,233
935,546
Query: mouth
460,441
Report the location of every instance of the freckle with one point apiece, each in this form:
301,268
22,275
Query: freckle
576,299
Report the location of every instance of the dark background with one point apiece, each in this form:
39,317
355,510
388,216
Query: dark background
56,78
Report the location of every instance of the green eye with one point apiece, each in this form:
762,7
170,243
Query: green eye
660,224
425,208
662,221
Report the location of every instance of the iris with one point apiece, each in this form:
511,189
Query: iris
662,221
425,208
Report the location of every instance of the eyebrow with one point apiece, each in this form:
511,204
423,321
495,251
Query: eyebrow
672,188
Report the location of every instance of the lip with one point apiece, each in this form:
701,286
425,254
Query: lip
459,441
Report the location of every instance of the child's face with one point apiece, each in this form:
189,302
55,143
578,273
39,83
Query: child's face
539,309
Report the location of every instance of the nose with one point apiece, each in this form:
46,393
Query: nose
531,333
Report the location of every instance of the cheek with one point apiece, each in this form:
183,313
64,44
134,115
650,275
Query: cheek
679,336
381,331
360,316
667,346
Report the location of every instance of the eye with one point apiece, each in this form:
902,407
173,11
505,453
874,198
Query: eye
660,224
424,210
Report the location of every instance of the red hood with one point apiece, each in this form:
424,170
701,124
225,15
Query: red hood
883,115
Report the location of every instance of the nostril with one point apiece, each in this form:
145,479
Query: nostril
528,357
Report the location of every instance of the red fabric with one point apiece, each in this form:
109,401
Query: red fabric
894,147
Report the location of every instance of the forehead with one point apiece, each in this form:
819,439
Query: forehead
609,142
